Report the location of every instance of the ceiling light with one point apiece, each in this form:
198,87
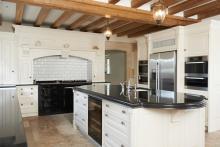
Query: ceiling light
108,31
160,11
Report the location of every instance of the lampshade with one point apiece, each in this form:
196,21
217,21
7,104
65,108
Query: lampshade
160,11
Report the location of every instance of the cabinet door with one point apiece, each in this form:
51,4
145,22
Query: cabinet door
25,71
197,44
8,62
142,49
8,110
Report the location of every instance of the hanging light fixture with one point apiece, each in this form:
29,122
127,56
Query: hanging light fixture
108,31
160,11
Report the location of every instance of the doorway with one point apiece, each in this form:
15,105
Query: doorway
115,66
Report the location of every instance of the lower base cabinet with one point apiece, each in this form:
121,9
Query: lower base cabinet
123,126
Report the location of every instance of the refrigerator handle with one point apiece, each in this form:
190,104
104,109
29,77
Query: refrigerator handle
158,78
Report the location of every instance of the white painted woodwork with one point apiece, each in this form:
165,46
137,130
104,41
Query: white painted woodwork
81,111
40,42
28,100
8,59
123,126
142,48
8,112
214,78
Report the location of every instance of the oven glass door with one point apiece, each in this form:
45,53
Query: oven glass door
197,83
95,119
196,67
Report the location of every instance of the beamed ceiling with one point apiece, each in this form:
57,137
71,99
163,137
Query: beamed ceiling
131,18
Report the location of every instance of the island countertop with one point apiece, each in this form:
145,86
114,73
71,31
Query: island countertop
143,97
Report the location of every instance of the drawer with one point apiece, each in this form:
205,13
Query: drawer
119,110
81,124
116,122
27,91
113,138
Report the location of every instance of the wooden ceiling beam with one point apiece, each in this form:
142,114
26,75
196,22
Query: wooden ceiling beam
169,3
42,16
135,30
80,21
64,17
94,24
202,9
112,26
101,9
113,1
147,31
19,12
126,27
186,5
138,3
209,14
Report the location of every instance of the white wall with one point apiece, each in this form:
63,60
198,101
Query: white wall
35,42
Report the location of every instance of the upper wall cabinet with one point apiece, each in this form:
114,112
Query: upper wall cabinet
8,59
142,48
196,42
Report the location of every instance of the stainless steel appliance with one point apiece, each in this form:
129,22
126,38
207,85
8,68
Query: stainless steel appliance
95,119
162,68
196,73
143,72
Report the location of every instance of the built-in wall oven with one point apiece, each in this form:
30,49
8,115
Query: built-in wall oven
196,73
143,72
95,119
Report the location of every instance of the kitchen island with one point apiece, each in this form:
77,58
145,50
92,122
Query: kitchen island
139,118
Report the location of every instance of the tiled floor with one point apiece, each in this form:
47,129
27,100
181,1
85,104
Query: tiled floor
57,131
213,139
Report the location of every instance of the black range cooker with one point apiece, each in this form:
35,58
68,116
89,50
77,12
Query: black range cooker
56,97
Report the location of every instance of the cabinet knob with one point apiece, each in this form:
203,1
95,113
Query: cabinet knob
84,104
106,115
21,88
122,123
31,88
123,111
32,103
31,93
106,134
76,101
76,114
12,71
83,120
21,93
122,145
13,96
30,77
22,104
107,105
85,97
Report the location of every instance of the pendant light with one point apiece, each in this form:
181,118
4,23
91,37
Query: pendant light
108,31
160,11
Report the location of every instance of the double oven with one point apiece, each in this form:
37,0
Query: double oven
196,73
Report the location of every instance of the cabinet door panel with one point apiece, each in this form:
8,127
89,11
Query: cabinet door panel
25,71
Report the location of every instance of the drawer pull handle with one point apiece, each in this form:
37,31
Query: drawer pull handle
107,105
31,93
122,145
123,111
122,123
106,115
83,120
106,134
84,104
32,103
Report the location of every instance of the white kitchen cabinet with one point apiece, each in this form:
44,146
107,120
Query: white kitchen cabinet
8,112
28,100
8,59
81,111
142,48
26,71
197,43
116,125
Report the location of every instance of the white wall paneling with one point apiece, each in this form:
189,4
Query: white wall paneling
8,112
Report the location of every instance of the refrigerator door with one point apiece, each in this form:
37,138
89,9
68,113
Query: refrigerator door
167,72
153,69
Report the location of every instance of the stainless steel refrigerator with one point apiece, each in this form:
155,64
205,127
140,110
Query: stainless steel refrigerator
162,68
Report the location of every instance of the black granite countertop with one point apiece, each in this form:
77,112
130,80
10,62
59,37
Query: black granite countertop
144,97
